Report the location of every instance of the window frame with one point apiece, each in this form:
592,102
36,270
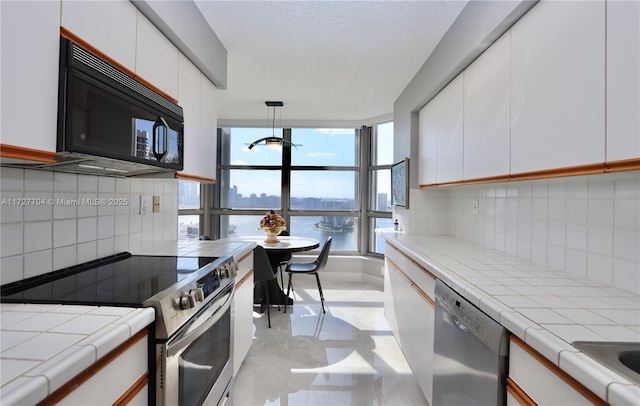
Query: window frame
365,169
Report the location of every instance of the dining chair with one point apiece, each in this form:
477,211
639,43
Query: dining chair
262,274
284,261
310,268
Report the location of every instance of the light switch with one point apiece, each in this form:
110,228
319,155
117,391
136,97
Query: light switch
156,204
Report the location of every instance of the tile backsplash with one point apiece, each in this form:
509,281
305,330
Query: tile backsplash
585,225
52,220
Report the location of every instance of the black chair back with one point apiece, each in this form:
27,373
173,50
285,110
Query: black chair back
324,255
262,271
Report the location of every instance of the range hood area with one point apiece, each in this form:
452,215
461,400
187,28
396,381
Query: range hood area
108,123
85,164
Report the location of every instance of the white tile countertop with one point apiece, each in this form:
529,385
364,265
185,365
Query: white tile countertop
215,248
547,309
42,347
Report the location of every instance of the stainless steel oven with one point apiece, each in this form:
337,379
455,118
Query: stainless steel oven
191,350
195,365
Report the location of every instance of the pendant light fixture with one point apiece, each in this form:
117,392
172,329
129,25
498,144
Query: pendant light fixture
273,140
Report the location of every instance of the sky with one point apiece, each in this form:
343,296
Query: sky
328,147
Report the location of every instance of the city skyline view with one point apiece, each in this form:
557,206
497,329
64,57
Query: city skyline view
315,147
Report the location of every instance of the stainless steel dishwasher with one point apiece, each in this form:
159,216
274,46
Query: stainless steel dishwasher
470,353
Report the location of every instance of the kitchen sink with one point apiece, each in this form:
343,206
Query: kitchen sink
622,357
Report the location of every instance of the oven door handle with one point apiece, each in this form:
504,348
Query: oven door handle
177,346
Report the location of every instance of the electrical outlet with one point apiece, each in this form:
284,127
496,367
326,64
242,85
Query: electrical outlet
476,206
156,204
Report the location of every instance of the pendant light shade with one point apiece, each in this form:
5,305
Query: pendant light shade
273,140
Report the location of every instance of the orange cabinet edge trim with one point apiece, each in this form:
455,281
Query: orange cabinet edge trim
415,287
519,394
247,255
423,269
244,278
184,176
133,390
12,151
591,169
577,386
65,33
85,375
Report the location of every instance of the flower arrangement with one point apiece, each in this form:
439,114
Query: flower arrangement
272,224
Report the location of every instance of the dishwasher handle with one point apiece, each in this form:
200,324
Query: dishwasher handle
469,319
460,324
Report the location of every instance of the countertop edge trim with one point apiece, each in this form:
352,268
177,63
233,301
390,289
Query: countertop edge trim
85,375
569,380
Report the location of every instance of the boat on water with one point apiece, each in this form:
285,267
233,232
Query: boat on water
334,224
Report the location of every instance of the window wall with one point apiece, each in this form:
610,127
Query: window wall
380,161
190,210
324,182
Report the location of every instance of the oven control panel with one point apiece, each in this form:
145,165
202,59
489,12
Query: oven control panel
184,300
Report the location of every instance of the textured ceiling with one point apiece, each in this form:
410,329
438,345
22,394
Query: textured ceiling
330,62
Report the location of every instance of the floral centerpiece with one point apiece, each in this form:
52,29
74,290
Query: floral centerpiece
271,225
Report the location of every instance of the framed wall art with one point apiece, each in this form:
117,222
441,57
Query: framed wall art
400,183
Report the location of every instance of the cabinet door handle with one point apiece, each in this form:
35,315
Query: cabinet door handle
160,138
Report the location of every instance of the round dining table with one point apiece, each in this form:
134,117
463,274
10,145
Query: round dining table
285,244
277,250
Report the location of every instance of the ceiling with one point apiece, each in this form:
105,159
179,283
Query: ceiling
330,62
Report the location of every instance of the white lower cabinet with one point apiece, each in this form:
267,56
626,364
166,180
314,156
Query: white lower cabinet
535,380
389,297
421,361
243,312
409,309
121,379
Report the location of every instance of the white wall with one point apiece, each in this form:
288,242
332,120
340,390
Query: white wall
586,225
42,235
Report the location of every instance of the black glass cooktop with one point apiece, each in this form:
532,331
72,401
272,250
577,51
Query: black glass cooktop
119,280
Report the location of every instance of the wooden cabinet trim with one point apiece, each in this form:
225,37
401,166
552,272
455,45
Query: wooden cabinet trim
29,154
415,287
65,33
519,394
245,256
572,382
133,390
85,375
424,296
423,269
593,169
244,278
194,178
624,165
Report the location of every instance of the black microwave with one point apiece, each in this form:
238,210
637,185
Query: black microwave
108,120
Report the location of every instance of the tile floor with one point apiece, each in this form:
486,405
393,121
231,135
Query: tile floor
347,356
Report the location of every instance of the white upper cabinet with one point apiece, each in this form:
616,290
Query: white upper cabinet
441,136
427,145
450,132
208,128
156,58
558,86
487,121
198,97
623,80
109,26
29,73
189,100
